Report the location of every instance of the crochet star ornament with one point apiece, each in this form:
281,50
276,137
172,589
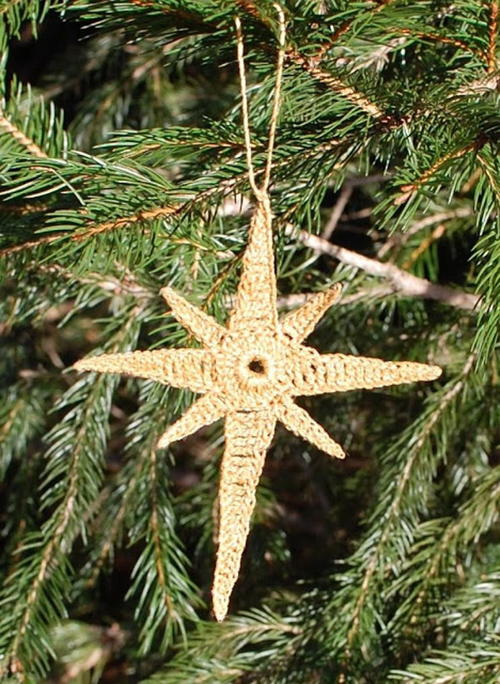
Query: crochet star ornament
249,373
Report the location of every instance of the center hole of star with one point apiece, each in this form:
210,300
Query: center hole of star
257,366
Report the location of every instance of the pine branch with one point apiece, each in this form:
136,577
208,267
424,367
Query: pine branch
218,651
70,484
489,173
96,229
170,602
343,29
21,418
403,492
166,597
224,187
381,89
325,78
407,191
445,40
486,254
433,559
109,523
341,88
401,280
474,607
475,661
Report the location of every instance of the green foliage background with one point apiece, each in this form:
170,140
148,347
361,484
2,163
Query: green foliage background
122,169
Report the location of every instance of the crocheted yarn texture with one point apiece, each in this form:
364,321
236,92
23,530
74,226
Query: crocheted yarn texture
249,373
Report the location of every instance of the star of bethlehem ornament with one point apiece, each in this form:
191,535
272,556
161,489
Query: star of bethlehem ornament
250,371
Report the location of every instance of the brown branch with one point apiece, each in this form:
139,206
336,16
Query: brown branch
488,173
402,281
226,186
408,190
189,17
31,244
146,215
436,37
249,7
471,181
9,5
342,30
436,234
338,86
493,31
95,229
310,65
21,138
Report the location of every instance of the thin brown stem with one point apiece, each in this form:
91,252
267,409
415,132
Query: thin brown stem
436,234
342,30
21,138
94,230
493,32
338,86
408,190
486,169
438,38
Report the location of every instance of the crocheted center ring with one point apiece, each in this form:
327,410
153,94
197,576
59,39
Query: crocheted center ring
256,369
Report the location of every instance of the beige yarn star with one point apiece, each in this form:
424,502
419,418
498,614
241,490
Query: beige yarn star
249,373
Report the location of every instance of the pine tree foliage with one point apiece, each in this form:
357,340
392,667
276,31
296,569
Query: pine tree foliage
122,170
